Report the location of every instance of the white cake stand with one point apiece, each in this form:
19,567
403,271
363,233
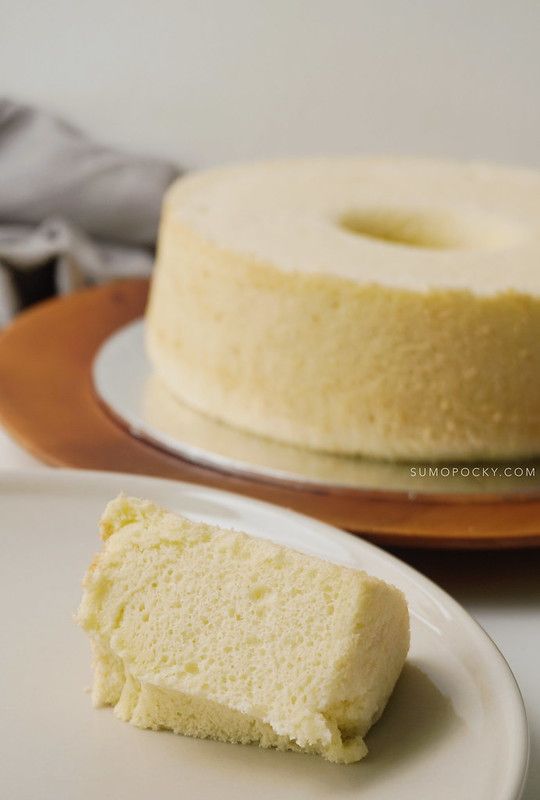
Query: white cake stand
126,385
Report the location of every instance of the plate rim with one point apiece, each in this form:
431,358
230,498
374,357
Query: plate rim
29,479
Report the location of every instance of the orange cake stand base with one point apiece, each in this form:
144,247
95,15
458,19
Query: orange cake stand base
47,403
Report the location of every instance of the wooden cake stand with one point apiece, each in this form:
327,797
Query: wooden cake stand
48,404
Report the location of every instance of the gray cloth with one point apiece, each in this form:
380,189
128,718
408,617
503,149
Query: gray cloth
85,212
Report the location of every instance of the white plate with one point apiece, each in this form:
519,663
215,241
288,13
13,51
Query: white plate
124,380
455,728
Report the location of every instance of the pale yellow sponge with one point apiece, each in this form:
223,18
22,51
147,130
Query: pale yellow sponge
383,307
216,634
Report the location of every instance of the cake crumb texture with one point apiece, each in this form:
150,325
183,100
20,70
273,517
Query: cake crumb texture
216,634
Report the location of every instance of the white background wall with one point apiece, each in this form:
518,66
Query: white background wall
214,80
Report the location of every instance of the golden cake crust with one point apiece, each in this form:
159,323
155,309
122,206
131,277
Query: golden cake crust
392,349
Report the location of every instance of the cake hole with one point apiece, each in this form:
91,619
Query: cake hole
258,592
433,229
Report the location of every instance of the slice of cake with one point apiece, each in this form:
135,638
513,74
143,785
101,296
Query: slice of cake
213,633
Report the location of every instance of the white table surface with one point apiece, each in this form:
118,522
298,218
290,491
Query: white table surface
500,589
